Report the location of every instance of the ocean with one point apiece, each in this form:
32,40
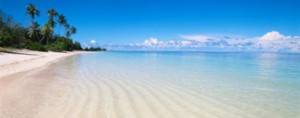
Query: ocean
181,84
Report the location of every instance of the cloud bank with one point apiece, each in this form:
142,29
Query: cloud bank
270,42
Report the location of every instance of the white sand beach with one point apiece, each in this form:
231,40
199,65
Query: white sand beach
20,92
24,60
149,59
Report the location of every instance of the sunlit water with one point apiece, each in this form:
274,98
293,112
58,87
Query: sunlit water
182,84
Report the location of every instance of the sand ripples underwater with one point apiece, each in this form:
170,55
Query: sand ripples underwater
114,86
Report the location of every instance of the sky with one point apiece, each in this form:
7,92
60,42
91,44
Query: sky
179,24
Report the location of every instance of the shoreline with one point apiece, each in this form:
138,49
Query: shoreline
26,60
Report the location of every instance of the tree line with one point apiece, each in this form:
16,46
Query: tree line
36,36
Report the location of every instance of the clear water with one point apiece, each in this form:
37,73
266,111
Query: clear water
193,84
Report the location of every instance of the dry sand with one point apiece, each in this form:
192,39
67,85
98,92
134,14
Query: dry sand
11,63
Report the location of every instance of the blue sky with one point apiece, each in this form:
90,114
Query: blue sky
134,21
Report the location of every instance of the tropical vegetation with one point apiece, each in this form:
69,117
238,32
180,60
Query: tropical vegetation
38,36
94,49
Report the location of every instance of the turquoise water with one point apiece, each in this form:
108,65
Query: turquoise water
253,85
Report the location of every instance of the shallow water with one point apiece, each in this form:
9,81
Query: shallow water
177,85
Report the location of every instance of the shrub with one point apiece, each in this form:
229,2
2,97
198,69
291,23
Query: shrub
61,44
35,46
95,49
77,46
4,38
11,33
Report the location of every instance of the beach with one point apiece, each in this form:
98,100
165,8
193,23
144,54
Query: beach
153,85
150,59
19,92
24,60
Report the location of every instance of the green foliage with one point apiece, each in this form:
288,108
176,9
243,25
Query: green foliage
32,11
64,44
5,38
51,16
35,46
77,46
34,32
57,46
39,37
11,33
46,34
95,49
62,19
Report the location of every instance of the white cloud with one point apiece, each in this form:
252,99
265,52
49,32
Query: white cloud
274,41
151,42
197,38
185,43
271,36
271,41
93,41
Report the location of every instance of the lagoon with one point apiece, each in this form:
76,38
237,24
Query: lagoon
171,85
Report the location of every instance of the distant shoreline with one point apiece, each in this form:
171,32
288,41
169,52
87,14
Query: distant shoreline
199,51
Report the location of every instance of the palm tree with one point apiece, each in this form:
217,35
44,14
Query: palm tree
52,14
47,33
32,11
67,27
72,30
33,32
61,21
51,23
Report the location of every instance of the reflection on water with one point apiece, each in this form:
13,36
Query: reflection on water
267,65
